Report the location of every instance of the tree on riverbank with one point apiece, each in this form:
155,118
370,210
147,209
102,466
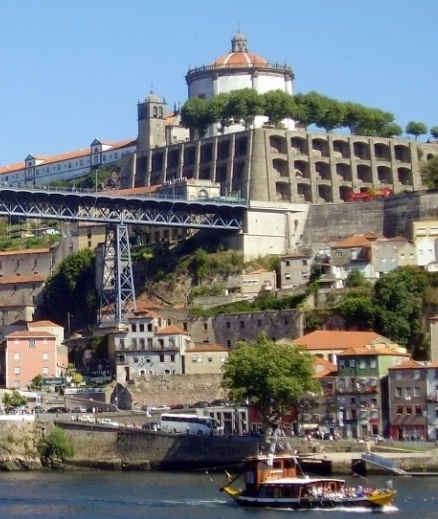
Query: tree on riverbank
270,376
56,445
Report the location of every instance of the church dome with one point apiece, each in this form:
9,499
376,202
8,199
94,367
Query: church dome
239,55
152,98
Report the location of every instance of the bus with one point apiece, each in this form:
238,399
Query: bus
188,423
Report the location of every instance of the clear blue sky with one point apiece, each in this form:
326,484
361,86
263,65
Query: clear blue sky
73,70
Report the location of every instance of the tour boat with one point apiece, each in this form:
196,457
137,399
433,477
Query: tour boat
277,481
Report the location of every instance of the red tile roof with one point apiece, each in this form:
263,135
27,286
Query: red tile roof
29,334
42,324
408,364
361,351
338,340
353,241
24,251
17,280
170,330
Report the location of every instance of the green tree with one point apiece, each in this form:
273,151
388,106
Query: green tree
332,114
391,130
356,278
416,129
36,382
429,172
398,296
434,132
245,104
56,445
271,376
14,399
71,290
278,105
220,110
353,116
196,115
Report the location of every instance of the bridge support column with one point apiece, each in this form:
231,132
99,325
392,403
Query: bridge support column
117,295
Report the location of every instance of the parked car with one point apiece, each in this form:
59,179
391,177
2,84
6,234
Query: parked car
378,438
58,409
39,409
107,422
79,409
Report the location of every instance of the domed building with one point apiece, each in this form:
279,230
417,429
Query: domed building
236,70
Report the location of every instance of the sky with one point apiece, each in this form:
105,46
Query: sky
74,70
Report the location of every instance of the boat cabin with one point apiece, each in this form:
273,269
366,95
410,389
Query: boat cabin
262,468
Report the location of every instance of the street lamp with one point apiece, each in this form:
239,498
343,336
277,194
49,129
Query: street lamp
426,419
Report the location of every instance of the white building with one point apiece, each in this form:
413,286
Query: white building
236,70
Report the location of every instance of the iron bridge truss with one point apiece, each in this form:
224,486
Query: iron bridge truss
115,208
117,294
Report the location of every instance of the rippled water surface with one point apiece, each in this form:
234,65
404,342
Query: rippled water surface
111,495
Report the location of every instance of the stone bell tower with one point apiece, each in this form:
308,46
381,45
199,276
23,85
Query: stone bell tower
151,123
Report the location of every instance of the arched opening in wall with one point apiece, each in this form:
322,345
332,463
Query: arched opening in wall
157,162
277,144
304,192
189,156
173,159
299,145
281,167
405,177
402,153
302,169
204,173
341,149
322,170
384,174
207,152
320,147
223,149
382,151
362,150
241,147
202,194
325,193
344,171
345,193
282,190
364,173
221,173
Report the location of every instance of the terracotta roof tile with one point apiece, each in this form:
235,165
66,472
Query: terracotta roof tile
42,324
170,330
338,340
30,334
363,351
17,280
408,364
24,251
353,241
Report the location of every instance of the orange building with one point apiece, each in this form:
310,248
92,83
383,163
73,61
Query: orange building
25,354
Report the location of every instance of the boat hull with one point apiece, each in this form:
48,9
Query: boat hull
376,503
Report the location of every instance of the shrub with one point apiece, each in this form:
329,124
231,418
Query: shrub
55,445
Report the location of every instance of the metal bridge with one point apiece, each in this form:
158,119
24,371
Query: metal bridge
117,210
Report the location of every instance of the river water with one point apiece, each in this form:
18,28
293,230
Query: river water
157,495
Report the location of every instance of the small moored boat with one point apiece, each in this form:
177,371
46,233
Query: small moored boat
276,481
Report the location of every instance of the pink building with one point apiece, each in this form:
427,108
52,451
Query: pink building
25,354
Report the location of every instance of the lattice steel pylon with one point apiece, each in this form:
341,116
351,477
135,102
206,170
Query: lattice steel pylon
117,295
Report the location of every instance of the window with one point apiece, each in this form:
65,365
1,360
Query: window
417,391
17,371
409,410
162,359
122,344
134,327
362,364
172,358
142,344
418,410
259,322
399,410
287,263
398,392
150,343
141,327
133,344
45,371
45,357
210,359
32,343
228,325
150,327
242,324
196,358
16,356
205,326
